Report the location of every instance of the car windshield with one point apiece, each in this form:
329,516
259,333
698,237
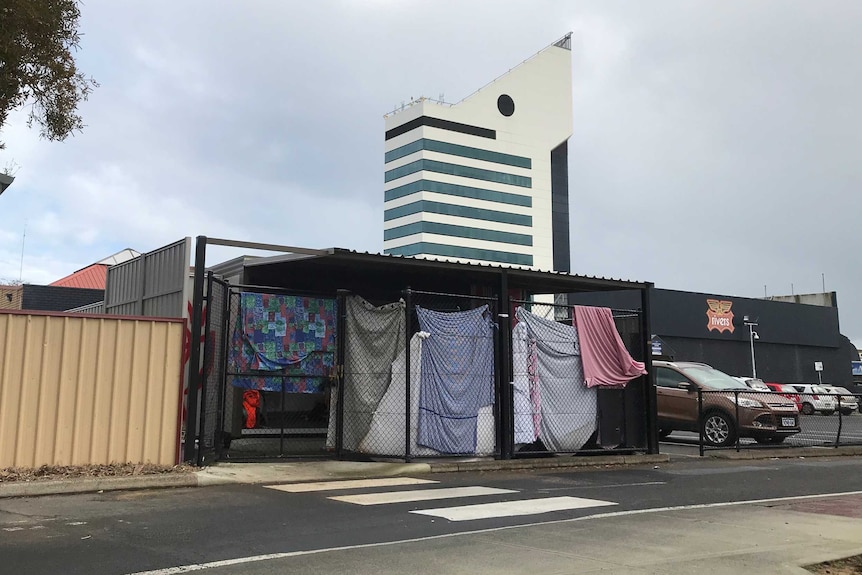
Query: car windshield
817,389
710,377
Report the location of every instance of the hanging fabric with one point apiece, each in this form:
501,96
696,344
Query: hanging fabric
294,336
557,407
457,377
250,406
373,338
607,362
386,435
523,382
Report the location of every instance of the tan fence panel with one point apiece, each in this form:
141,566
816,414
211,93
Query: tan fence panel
80,390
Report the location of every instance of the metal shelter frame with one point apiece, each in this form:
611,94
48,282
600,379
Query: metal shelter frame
335,270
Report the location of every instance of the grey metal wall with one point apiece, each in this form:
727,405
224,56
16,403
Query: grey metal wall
97,308
151,285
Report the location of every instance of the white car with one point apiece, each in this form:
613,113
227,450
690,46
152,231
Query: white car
849,402
815,399
754,383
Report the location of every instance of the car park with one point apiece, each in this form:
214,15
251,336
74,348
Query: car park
786,391
847,402
815,399
729,408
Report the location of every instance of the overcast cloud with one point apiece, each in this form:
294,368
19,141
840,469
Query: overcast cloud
715,149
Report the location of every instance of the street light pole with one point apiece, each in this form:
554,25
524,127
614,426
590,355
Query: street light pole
752,335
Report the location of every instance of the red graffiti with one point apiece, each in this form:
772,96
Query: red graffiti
206,341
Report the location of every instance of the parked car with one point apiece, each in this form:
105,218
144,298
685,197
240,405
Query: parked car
752,382
814,400
763,417
786,391
848,402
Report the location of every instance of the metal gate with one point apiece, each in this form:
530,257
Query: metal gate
258,400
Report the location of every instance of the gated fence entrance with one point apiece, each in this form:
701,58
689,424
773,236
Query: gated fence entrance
270,362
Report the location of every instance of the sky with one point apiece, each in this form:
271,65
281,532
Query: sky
715,144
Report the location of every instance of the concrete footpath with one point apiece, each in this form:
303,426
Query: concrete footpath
301,471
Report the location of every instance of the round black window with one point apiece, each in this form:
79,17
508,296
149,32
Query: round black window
506,105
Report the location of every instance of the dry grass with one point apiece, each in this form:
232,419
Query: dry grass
47,472
847,566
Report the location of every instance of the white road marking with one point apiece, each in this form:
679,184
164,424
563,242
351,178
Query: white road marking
76,523
350,484
419,495
13,529
274,556
512,508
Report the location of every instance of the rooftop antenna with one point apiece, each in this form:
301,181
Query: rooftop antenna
23,240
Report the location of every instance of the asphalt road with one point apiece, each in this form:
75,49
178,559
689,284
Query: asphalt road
131,532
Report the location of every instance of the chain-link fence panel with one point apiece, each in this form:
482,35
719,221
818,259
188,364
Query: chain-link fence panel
449,381
554,411
281,360
743,418
215,349
367,412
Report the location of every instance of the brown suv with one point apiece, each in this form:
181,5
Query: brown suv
765,417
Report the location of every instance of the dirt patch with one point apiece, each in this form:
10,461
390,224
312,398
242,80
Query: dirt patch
48,472
848,566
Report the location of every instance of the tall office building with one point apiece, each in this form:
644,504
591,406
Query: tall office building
485,180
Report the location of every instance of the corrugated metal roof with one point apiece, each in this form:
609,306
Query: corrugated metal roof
491,265
91,277
263,261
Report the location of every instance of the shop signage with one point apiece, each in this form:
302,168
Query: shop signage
719,315
856,368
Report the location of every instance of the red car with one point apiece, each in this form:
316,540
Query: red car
788,392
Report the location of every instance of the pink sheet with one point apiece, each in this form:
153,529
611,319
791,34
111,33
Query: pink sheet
607,362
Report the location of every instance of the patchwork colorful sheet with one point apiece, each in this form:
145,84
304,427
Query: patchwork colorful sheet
293,336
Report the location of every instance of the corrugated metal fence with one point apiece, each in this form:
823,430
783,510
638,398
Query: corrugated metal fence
88,390
151,285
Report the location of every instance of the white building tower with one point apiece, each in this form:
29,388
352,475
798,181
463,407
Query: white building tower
485,180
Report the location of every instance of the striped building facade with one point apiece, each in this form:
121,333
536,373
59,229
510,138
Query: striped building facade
485,180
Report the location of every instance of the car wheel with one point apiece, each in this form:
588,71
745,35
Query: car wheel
718,429
664,433
807,408
828,411
772,440
846,411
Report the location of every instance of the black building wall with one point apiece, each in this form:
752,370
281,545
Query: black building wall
792,337
56,298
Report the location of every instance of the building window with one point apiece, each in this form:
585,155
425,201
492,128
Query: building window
506,105
432,249
458,232
457,150
456,170
458,211
459,191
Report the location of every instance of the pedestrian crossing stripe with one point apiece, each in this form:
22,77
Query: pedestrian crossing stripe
349,484
511,508
419,495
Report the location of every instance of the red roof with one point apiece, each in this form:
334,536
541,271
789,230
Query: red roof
91,277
